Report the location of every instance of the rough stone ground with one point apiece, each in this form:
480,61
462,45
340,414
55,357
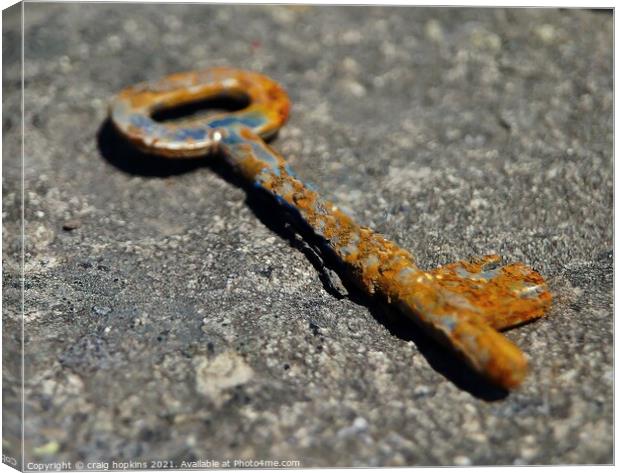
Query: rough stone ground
181,321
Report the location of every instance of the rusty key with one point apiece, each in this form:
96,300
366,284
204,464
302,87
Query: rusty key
463,304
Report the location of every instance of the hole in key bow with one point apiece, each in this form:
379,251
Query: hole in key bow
200,109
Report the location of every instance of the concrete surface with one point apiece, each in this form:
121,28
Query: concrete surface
180,320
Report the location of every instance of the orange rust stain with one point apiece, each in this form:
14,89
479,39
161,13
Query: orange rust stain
267,100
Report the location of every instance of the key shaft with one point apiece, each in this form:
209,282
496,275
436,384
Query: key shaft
380,267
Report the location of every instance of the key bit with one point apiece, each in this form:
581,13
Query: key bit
463,304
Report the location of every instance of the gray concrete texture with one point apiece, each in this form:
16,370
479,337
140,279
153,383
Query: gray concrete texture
181,319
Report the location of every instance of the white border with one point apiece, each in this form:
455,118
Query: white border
444,3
